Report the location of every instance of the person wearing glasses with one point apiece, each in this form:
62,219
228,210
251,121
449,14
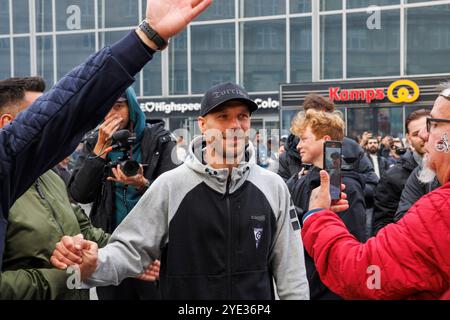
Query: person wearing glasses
392,182
409,259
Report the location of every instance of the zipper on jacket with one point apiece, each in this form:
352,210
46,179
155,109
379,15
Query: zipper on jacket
230,227
124,198
41,193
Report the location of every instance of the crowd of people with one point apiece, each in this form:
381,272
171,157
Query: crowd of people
224,216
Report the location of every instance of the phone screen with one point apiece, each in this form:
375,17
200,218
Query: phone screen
332,164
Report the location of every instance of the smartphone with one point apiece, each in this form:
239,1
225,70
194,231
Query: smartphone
332,161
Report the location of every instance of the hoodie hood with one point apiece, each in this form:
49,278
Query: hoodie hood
137,117
217,178
291,147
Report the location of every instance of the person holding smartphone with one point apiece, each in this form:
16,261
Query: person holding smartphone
321,134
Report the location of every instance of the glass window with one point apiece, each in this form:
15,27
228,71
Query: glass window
301,52
153,77
379,121
373,52
108,38
300,6
213,56
44,59
44,16
329,5
428,39
74,14
4,16
73,49
118,13
21,57
286,119
331,46
218,10
137,84
264,58
21,16
409,109
178,77
416,1
5,56
366,3
257,8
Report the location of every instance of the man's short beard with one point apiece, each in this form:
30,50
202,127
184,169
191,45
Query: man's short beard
427,174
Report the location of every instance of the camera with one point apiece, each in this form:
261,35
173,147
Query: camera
123,140
400,151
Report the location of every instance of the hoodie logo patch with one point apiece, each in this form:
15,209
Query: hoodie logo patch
258,235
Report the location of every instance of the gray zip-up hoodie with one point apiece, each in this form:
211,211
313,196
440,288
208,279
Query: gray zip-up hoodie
218,235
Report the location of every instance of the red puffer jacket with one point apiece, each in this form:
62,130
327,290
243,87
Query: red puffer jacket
410,259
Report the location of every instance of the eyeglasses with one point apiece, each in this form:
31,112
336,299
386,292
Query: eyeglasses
430,120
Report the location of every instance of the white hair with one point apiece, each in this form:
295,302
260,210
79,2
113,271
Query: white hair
427,174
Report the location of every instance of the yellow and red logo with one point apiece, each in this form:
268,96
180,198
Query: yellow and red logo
408,91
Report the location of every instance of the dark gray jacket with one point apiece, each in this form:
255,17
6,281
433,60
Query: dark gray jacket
389,190
413,191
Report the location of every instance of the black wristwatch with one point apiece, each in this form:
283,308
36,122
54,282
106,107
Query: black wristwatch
153,35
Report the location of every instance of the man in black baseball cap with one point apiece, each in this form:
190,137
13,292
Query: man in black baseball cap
230,217
225,123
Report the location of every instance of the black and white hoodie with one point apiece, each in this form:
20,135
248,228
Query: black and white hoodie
218,236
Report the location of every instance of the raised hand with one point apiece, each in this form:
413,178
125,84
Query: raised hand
320,196
168,17
105,132
152,272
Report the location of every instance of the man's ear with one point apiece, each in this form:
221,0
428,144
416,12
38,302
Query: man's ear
201,124
408,138
327,138
5,119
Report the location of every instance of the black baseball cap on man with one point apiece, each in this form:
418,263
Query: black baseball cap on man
219,94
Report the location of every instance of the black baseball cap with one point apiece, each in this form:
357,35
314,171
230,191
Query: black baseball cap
219,94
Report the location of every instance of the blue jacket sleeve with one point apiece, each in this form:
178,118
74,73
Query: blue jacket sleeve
51,128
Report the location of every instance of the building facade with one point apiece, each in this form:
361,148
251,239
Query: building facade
260,44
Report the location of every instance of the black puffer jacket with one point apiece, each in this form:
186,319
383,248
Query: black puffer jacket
88,181
290,161
354,218
389,190
413,191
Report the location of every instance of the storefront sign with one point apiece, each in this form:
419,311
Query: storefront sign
267,104
193,106
368,95
168,108
401,91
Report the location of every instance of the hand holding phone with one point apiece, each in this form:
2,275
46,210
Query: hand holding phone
332,161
